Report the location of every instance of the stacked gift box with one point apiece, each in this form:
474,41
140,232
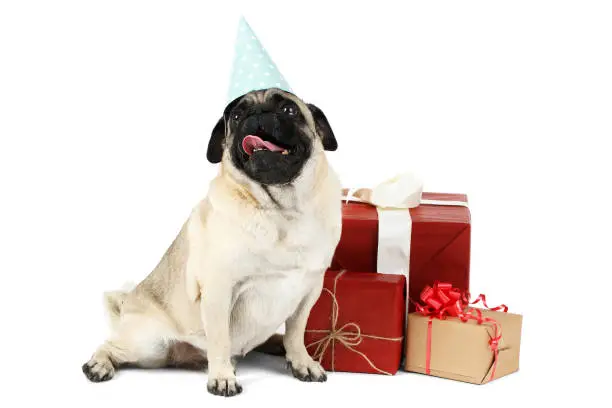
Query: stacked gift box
397,292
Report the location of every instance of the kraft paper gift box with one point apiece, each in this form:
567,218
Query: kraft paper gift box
358,322
475,346
394,228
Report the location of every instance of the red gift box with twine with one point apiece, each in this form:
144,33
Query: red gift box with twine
357,324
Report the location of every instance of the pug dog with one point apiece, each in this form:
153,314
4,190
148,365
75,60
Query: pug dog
250,257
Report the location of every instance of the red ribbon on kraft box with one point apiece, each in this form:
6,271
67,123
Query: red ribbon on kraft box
443,300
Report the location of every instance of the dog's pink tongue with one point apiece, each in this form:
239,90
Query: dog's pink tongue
252,142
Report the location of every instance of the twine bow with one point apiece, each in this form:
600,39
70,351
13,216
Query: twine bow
442,301
349,335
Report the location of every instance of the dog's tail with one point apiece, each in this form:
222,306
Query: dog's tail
113,303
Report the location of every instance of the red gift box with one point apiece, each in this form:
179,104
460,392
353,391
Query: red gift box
357,324
440,242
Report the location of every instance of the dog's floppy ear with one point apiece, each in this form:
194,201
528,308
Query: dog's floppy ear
323,128
215,144
217,138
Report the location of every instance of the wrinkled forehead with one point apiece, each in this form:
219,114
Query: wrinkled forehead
272,97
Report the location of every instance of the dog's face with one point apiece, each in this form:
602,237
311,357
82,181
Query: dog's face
269,135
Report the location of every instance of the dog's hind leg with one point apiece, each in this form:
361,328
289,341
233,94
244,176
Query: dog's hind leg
274,346
139,339
186,356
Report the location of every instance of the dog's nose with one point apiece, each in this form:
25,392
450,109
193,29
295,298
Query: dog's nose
265,120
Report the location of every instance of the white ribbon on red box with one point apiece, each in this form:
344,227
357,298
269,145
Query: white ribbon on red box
393,198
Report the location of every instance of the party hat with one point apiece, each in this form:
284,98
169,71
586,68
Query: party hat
253,68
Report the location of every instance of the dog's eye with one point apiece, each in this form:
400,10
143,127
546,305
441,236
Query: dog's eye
236,115
290,109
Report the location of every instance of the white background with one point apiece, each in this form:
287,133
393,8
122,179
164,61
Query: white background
105,113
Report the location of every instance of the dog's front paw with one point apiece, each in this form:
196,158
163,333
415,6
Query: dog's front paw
226,387
307,369
98,370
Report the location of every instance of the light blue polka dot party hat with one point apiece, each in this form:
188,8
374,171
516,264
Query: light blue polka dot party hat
253,68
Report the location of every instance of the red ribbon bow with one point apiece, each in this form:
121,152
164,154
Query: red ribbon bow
442,301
